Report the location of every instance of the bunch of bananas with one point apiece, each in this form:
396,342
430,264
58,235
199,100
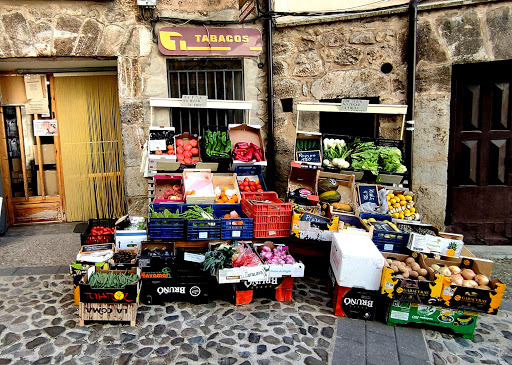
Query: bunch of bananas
401,205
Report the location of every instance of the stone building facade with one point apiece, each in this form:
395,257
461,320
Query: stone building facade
105,29
313,59
342,58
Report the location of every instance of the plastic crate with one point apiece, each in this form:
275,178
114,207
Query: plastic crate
243,171
388,241
87,238
233,228
167,228
224,162
270,220
201,229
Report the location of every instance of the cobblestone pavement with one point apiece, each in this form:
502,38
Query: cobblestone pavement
39,325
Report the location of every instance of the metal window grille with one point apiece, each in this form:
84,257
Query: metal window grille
220,80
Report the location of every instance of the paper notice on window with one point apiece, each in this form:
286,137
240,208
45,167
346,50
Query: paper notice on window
45,127
35,86
37,106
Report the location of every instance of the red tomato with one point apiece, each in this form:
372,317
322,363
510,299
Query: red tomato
252,187
193,142
170,147
179,150
187,161
258,186
247,189
246,179
195,152
180,158
187,154
187,147
260,190
195,161
252,183
179,142
246,183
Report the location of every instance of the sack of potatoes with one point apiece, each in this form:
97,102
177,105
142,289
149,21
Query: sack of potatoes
407,269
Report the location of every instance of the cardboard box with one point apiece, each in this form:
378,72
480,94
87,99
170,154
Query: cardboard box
356,262
181,146
128,294
348,223
48,153
353,302
295,270
476,299
95,253
153,261
408,289
302,176
125,239
16,164
459,321
238,274
51,183
164,189
310,142
313,226
246,133
346,189
221,181
200,182
113,264
451,247
158,140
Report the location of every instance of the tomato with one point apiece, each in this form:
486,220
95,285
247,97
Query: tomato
195,161
170,147
193,142
187,154
260,190
246,179
187,161
179,142
247,189
179,150
158,152
187,147
246,183
258,186
252,183
195,152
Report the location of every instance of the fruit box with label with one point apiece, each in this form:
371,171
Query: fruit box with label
308,142
471,296
352,302
130,238
459,321
408,289
124,259
445,244
226,188
295,269
161,143
198,186
127,294
355,261
307,225
280,289
402,205
344,186
95,253
187,149
156,258
168,189
352,224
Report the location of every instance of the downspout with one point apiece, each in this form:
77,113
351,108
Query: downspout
271,164
411,85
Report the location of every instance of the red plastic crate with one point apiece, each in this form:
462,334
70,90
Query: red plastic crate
270,219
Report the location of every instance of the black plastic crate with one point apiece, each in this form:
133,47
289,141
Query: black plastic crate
88,238
165,228
388,241
193,289
201,229
243,171
233,228
224,162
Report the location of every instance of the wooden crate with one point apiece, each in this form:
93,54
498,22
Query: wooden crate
118,312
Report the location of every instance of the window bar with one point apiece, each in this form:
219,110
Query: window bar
207,95
189,112
216,97
232,113
179,96
225,96
22,153
198,120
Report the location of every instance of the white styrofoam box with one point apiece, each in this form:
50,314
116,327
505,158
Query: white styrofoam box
356,261
238,274
129,238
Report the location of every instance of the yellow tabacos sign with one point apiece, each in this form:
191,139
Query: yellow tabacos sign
190,41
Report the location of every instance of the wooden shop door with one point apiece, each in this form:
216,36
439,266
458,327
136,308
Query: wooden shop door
30,154
480,164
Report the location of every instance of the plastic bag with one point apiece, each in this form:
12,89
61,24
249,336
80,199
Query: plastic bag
246,257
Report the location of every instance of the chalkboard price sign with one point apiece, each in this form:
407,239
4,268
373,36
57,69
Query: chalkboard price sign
368,194
309,156
314,218
92,248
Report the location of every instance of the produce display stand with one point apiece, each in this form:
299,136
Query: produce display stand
108,312
398,110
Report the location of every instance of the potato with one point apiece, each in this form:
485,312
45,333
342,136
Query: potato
421,278
405,274
413,274
394,268
422,272
403,269
410,260
389,261
415,266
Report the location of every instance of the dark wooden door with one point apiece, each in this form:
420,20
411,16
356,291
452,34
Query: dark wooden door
479,178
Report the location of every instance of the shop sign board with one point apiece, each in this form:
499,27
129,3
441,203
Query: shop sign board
247,8
196,41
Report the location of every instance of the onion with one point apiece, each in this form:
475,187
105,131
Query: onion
444,271
454,269
482,280
468,274
457,279
486,287
469,284
435,267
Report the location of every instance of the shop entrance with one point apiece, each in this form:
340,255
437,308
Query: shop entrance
64,164
479,178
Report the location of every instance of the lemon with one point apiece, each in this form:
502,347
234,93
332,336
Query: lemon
412,209
392,200
408,198
401,197
403,202
395,215
396,205
401,215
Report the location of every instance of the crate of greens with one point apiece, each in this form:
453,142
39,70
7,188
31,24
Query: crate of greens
165,221
201,223
216,146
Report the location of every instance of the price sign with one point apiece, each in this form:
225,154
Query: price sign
93,248
308,156
368,194
194,101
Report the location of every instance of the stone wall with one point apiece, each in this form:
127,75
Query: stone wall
344,59
97,29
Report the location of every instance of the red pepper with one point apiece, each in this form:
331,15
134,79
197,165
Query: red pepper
242,145
255,146
249,154
257,156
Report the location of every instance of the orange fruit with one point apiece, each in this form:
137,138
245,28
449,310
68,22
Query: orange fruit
224,198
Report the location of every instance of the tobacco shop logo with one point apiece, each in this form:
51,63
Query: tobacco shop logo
195,291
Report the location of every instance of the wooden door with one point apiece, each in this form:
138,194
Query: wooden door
479,178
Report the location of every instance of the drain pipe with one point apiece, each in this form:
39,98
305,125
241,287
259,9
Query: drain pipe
271,155
411,86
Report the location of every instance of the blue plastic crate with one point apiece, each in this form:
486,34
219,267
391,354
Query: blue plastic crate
201,229
168,228
388,241
250,170
231,227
